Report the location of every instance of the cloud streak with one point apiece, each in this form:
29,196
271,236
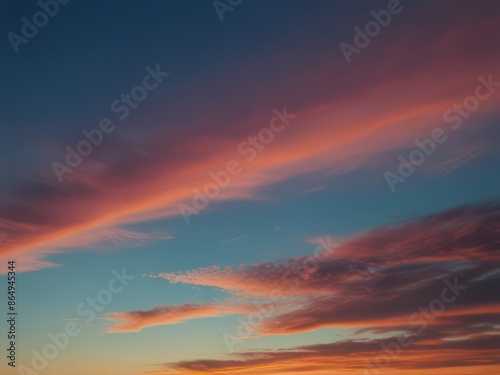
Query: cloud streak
164,315
433,352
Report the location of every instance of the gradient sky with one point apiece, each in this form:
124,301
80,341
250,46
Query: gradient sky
321,180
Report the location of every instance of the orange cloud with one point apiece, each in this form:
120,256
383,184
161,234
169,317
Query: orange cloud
432,355
162,315
96,239
346,115
384,280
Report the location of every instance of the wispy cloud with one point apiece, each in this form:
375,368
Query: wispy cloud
449,165
476,354
97,239
330,133
232,239
374,280
173,314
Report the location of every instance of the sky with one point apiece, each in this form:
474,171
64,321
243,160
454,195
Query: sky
251,187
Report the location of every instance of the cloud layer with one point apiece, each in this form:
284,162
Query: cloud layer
435,279
346,116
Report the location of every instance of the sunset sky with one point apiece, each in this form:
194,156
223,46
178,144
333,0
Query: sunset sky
248,198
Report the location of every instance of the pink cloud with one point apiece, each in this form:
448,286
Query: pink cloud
346,116
376,279
173,314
